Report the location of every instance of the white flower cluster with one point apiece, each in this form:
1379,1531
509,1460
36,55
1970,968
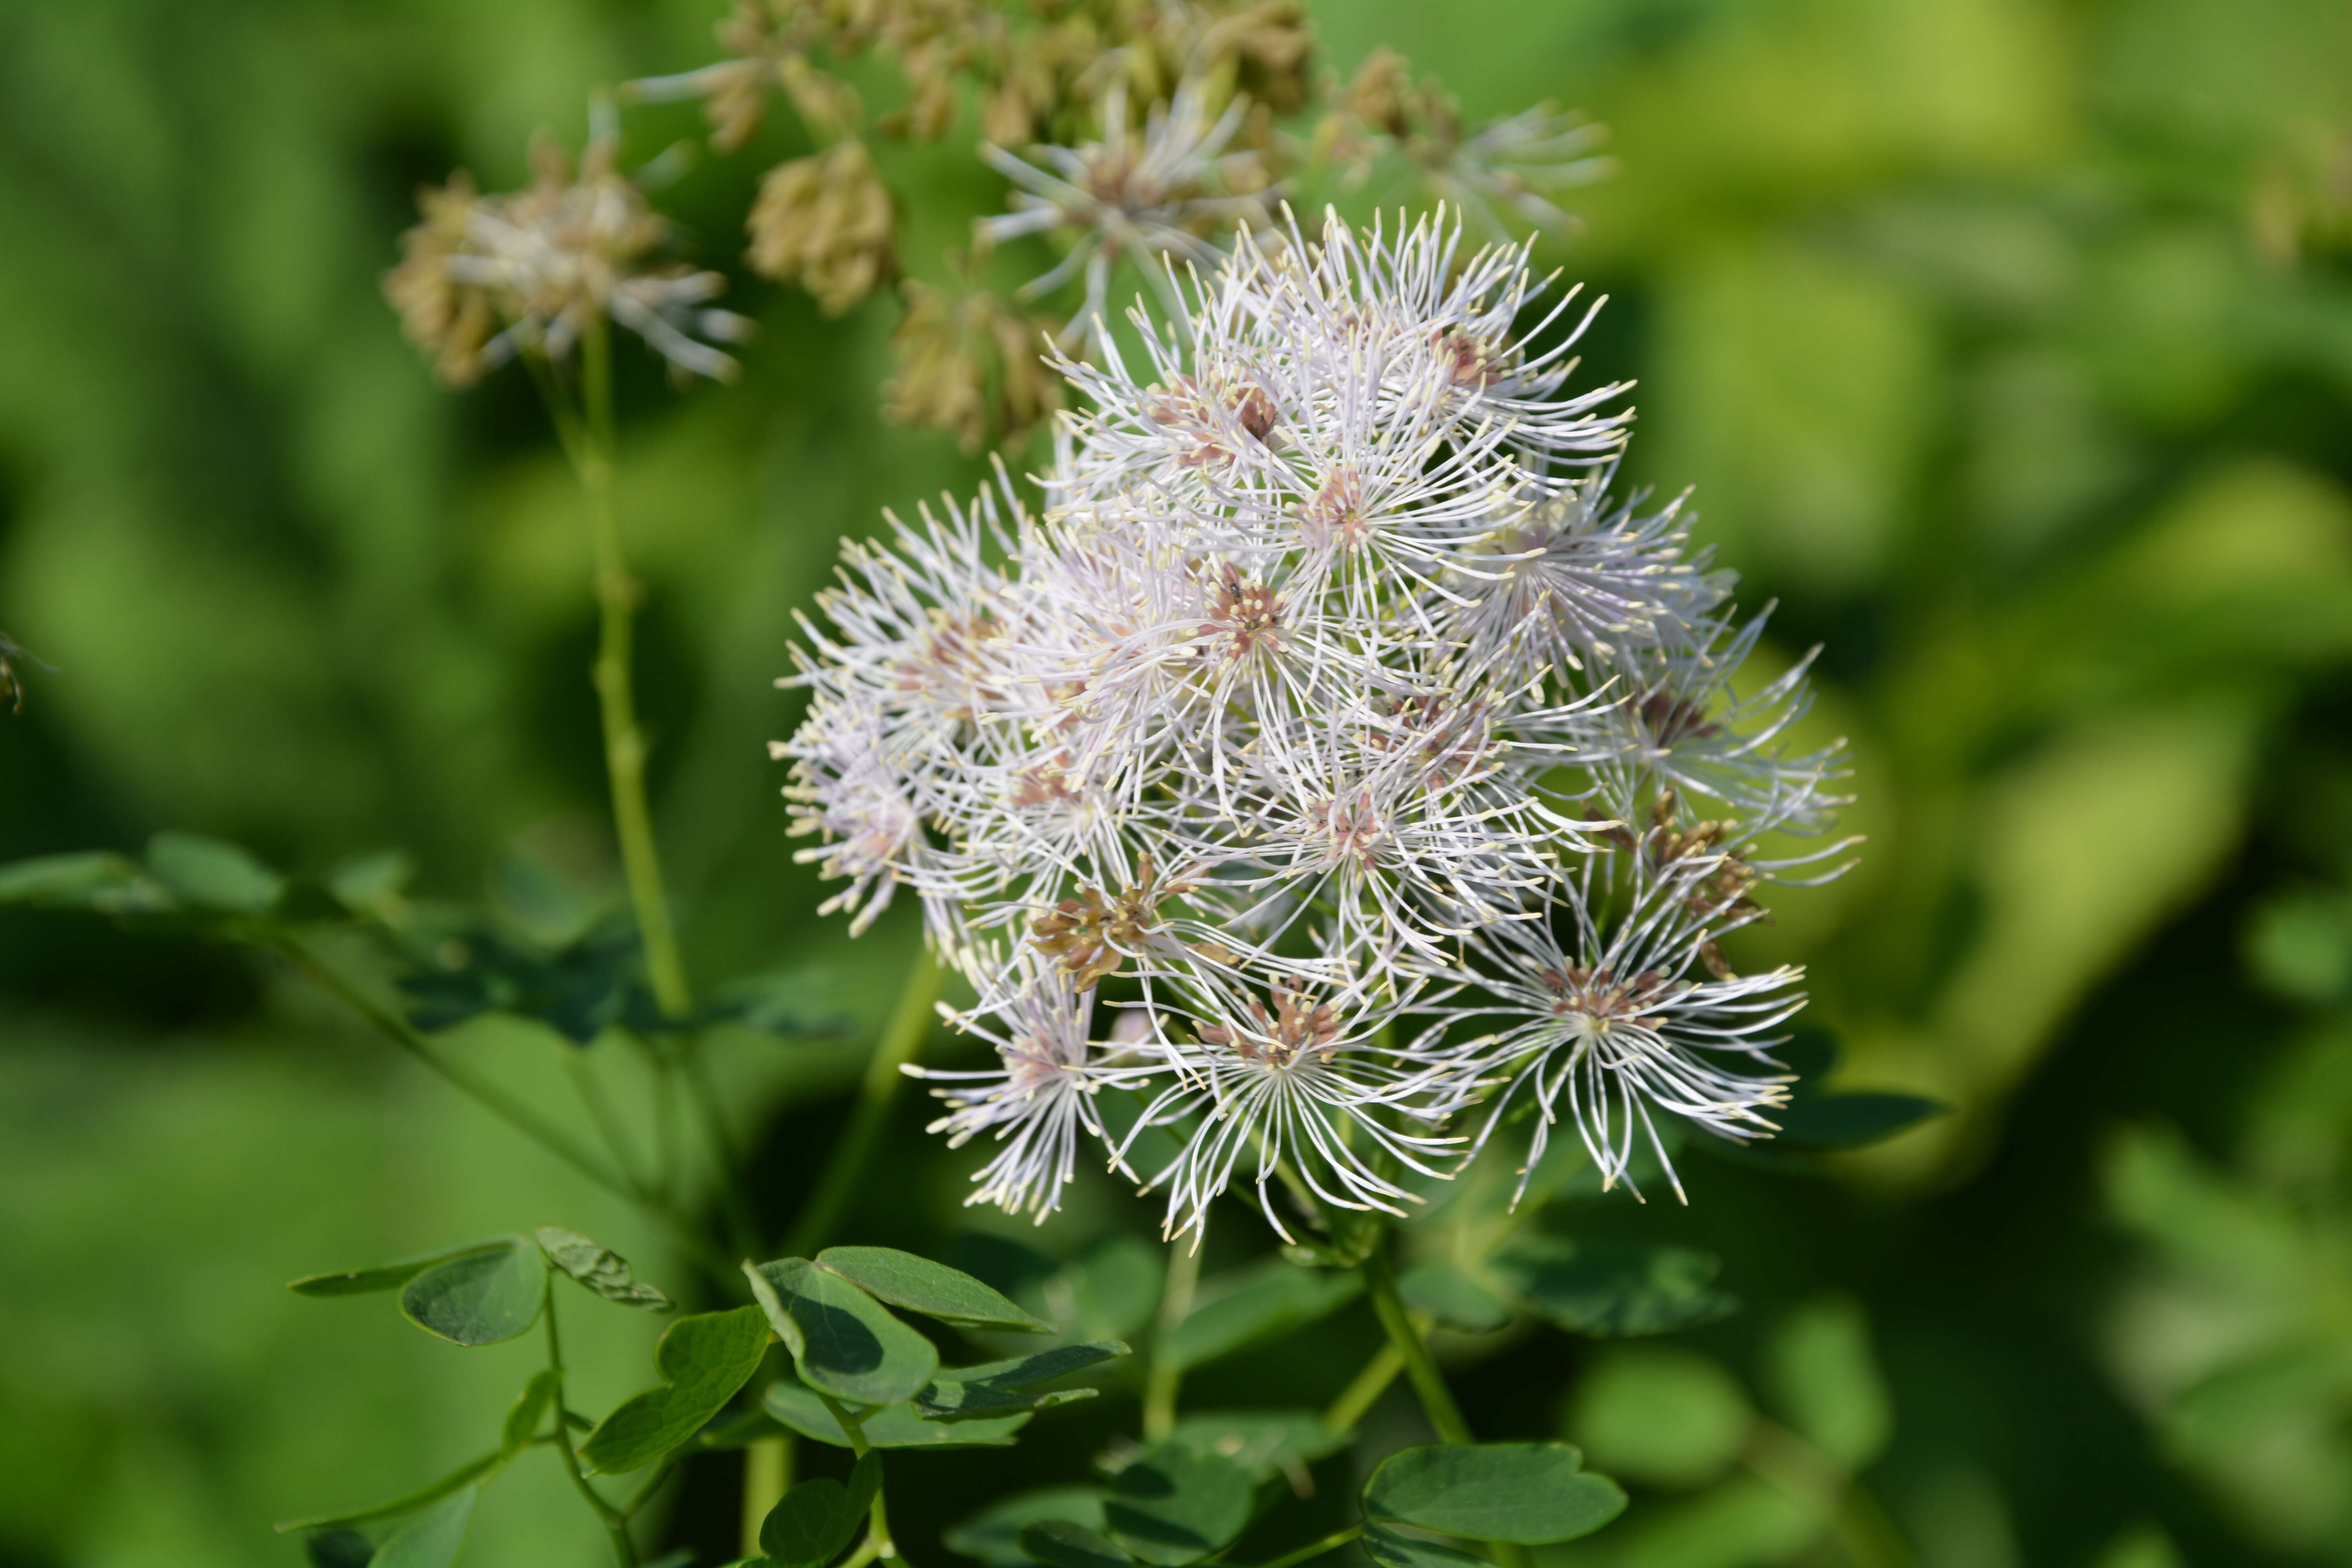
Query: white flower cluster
1330,757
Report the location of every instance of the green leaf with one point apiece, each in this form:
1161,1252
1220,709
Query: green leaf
106,883
934,1290
433,1538
478,1298
891,1427
1265,1443
1819,1369
962,1393
463,1476
1530,1493
381,1276
209,874
1249,1305
818,1518
1178,1504
1615,1289
1059,1543
599,1268
842,1340
529,1409
702,1361
994,1535
1453,1298
1661,1415
1391,1550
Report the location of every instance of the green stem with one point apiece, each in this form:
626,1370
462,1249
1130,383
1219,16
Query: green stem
615,1522
1332,1543
1437,1399
877,1542
625,744
910,1026
767,1476
1165,1377
1369,1385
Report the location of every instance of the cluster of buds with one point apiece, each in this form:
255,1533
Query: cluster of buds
1136,131
484,278
1329,774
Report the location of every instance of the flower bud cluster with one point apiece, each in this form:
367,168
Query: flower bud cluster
1330,757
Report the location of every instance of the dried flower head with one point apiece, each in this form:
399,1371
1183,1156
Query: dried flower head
542,265
1158,194
969,364
1333,719
825,223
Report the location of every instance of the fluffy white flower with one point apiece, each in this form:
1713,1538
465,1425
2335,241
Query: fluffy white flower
1328,686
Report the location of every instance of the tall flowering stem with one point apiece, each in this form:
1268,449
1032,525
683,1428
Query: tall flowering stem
617,594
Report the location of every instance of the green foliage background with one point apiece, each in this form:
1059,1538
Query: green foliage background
1960,315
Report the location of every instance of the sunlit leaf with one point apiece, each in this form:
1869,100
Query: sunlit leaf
478,1298
996,1388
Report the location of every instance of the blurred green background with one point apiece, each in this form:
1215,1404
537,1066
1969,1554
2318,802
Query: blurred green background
2008,343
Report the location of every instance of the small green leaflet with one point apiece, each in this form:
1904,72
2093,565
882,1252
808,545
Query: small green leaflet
382,1276
478,1298
529,1409
465,1475
1530,1493
1178,1504
432,1538
934,1290
844,1341
817,1517
702,1360
599,1269
891,1426
960,1394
